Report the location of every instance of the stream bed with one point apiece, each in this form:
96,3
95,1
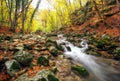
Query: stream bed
100,69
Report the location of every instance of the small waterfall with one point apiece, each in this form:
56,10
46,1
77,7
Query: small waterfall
101,71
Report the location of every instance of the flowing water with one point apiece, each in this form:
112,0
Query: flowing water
100,70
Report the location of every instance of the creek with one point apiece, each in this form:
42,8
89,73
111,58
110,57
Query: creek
99,70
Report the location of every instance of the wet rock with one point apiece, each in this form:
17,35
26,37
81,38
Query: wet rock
80,70
68,48
12,67
59,47
43,61
23,57
53,50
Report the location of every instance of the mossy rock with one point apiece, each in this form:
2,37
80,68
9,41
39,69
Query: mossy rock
12,66
93,52
117,53
52,78
28,47
50,42
44,75
43,61
59,47
105,43
31,65
23,57
80,70
53,50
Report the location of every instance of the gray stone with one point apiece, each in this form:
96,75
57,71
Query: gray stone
42,74
12,67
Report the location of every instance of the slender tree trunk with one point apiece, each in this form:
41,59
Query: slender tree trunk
15,23
33,14
1,10
23,16
10,6
80,3
96,8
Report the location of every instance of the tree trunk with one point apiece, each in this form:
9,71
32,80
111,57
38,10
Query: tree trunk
96,8
1,10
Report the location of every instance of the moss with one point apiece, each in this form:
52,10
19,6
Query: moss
117,53
53,50
42,79
50,42
105,43
31,65
59,47
15,66
23,57
54,70
52,78
81,70
28,47
43,61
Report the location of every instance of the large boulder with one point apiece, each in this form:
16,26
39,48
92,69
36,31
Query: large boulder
23,57
43,61
44,75
80,70
12,67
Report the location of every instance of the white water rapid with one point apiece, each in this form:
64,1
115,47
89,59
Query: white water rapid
99,70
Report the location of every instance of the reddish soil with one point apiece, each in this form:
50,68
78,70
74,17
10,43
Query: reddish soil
110,25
